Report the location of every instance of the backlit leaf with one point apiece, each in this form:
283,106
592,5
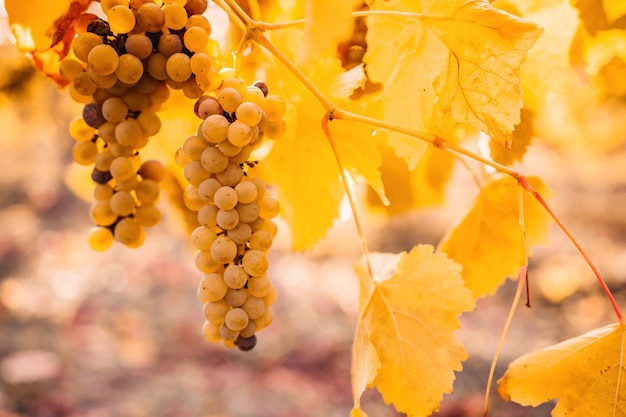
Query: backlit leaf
488,241
585,374
405,344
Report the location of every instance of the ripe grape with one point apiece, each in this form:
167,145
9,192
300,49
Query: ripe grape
255,263
246,343
236,319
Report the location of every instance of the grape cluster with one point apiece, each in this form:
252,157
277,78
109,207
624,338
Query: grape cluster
122,69
234,209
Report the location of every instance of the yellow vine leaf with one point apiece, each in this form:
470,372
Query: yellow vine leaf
464,59
488,241
614,9
522,136
46,28
404,343
585,374
302,164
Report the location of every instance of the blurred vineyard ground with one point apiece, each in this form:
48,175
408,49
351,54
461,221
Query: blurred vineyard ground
118,333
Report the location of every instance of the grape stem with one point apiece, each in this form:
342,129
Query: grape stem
350,195
255,31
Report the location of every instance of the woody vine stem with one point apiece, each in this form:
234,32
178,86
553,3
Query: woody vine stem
255,30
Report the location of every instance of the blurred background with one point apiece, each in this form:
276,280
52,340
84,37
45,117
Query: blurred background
118,333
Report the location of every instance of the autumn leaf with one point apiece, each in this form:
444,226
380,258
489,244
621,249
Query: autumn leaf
488,241
405,344
522,136
584,373
454,78
46,29
614,9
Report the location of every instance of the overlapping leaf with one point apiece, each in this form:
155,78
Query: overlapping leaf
405,343
436,75
585,374
488,241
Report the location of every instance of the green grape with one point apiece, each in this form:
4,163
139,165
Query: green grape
175,16
103,82
207,216
121,19
274,107
146,85
136,4
235,276
215,311
191,198
135,100
205,263
199,21
255,263
212,287
127,185
213,160
223,250
227,219
240,234
270,298
228,148
269,226
138,45
147,191
196,7
268,207
254,95
170,44
236,297
231,175
207,189
230,81
102,192
195,173
211,332
129,232
103,59
229,98
265,320
70,68
114,109
148,215
228,334
248,212
150,123
106,131
118,150
150,17
100,238
128,133
261,187
201,63
259,286
156,66
103,160
243,156
101,214
80,131
275,129
191,89
84,43
225,198
122,203
130,69
246,192
248,331
193,147
83,85
84,153
249,113
236,319
210,107
122,168
261,240
108,4
203,237
195,38
152,170
239,133
178,67
254,307
214,129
